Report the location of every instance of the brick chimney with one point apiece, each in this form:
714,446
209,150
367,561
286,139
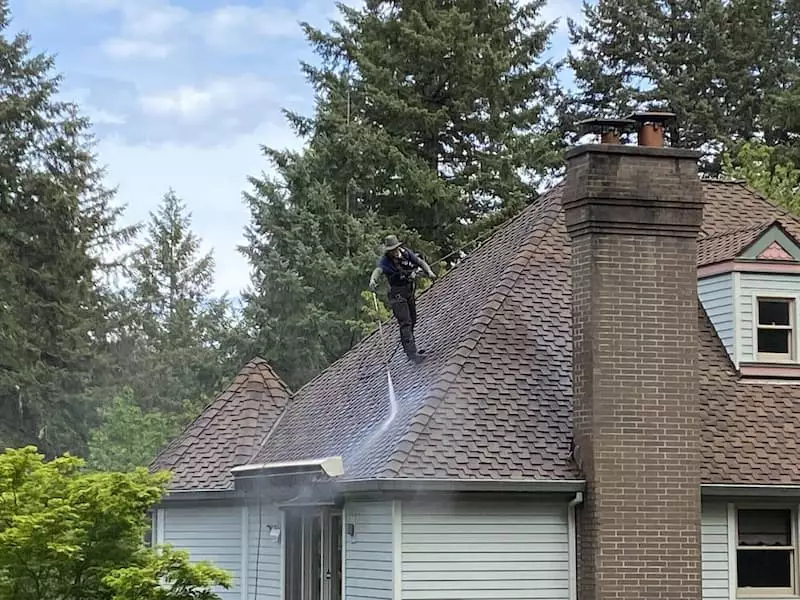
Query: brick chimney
633,213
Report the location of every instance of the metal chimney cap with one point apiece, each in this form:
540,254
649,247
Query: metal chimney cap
599,124
651,117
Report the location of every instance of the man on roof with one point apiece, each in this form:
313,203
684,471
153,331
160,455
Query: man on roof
399,264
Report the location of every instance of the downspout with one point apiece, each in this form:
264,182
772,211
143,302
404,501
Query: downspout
572,533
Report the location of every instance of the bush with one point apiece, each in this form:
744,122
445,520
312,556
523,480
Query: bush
70,535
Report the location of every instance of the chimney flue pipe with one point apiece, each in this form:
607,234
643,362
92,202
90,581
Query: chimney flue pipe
610,130
651,127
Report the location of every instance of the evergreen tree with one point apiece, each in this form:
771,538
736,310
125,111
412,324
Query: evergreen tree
309,261
447,114
431,115
719,65
178,333
56,224
172,347
652,53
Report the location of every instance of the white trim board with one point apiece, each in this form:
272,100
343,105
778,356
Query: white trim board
731,516
161,515
244,578
795,298
283,555
397,549
344,551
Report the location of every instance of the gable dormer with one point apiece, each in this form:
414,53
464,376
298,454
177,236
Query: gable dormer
749,284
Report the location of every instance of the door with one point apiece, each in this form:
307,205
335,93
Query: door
313,559
334,552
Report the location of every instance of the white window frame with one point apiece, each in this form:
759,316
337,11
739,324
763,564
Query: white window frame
792,328
733,549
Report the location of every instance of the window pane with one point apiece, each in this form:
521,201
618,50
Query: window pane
774,341
773,312
764,568
760,527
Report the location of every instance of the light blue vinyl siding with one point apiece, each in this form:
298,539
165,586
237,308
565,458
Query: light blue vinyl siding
368,553
264,556
715,551
485,550
716,294
210,533
750,286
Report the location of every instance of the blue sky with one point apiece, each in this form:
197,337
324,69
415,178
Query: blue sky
183,93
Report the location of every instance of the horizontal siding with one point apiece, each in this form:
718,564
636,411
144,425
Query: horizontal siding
485,551
208,533
368,553
750,285
264,556
716,294
715,551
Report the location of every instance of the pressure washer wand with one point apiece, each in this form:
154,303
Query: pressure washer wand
380,332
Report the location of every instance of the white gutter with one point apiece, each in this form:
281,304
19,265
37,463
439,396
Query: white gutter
572,533
429,484
734,489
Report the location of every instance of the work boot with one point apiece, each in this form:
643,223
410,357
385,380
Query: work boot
417,358
410,349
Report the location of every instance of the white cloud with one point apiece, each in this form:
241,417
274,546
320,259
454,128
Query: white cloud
151,29
97,115
234,25
198,102
209,179
156,21
124,48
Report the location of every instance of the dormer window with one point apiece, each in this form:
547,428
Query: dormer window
749,284
775,336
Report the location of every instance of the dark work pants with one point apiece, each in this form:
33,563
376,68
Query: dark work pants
404,307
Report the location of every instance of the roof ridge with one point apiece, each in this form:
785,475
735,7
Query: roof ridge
721,234
230,390
247,441
505,284
177,440
772,203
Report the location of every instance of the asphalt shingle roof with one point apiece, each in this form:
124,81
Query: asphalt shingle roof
721,247
493,400
227,432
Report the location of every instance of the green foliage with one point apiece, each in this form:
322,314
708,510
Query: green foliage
62,531
761,167
56,223
172,348
635,53
168,576
71,535
447,105
369,316
129,437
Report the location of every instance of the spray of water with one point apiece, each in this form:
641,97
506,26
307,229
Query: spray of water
392,396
